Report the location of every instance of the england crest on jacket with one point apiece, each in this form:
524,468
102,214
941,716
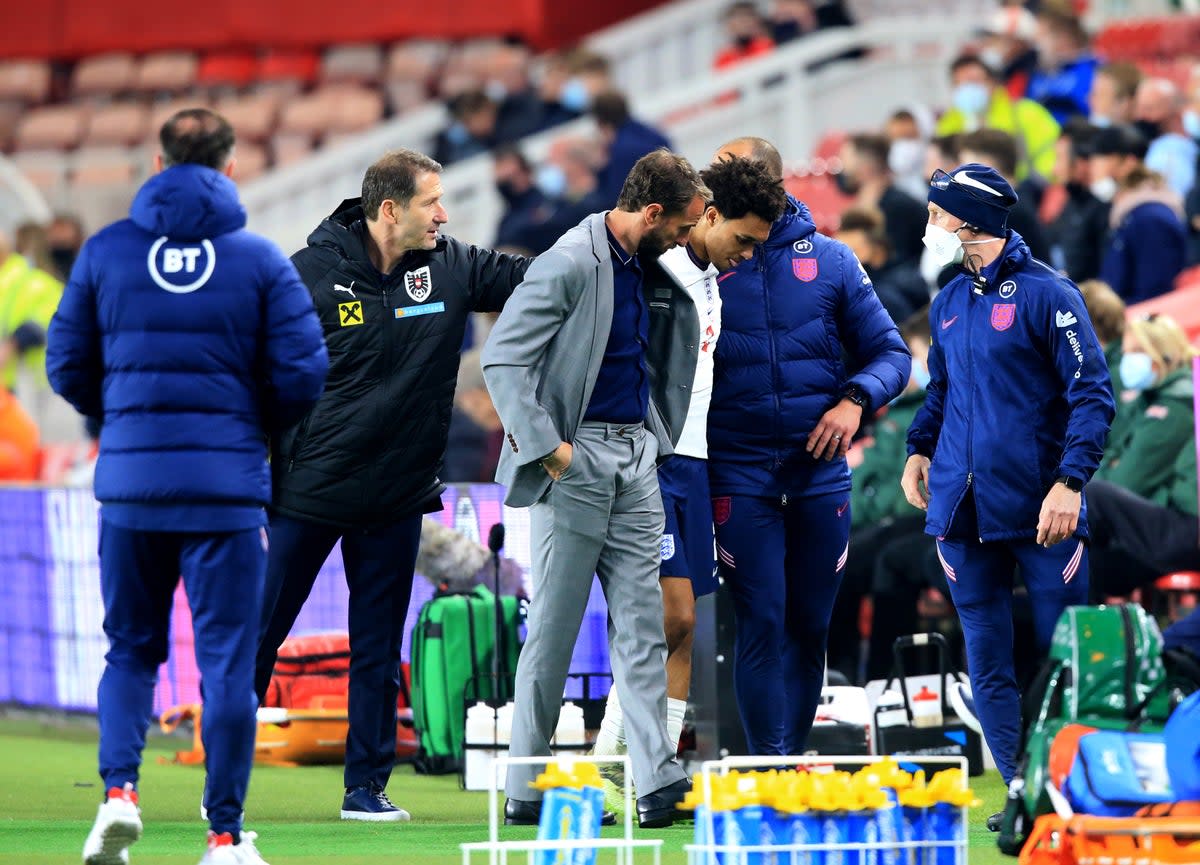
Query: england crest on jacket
418,284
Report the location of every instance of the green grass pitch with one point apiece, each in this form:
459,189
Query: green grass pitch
49,792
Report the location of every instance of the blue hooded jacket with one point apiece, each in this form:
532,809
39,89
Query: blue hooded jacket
788,317
1019,395
191,339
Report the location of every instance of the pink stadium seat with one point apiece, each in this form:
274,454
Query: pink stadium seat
822,197
253,117
415,61
51,127
45,169
25,80
10,115
250,161
120,123
404,95
308,115
166,72
1182,304
356,64
104,75
289,147
226,69
105,166
829,145
356,109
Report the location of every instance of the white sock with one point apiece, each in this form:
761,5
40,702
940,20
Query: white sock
611,739
675,712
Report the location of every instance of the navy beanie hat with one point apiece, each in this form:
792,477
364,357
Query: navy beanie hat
976,194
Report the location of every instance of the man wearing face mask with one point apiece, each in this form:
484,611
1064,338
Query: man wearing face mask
1008,47
526,209
1013,425
64,239
1142,501
1079,233
1158,115
866,175
980,102
748,36
1147,242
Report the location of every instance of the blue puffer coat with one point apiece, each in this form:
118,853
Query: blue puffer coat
788,317
1019,395
191,339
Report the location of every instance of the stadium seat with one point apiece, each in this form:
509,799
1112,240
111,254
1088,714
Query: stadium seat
52,127
104,75
289,147
166,72
45,169
1182,304
823,198
105,166
294,66
356,109
415,60
11,112
226,69
26,81
162,111
1180,589
119,123
250,161
404,95
252,117
355,64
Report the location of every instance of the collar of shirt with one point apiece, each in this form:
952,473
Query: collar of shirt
700,263
619,255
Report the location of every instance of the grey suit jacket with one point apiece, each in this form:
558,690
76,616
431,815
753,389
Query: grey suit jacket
544,353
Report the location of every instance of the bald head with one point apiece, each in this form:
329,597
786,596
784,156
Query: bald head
756,150
1157,99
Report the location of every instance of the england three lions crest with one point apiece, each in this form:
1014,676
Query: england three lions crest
418,284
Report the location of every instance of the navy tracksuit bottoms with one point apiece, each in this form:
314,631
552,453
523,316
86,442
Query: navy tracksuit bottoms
379,573
980,577
223,577
783,563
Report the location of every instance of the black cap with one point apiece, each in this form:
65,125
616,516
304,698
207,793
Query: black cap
1118,141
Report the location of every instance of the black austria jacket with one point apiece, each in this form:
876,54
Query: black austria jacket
370,451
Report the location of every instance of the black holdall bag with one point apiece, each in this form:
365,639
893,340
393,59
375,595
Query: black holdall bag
934,734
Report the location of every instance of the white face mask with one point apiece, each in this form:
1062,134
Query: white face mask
945,246
1105,188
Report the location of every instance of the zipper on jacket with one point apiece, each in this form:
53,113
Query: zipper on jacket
301,435
761,268
971,402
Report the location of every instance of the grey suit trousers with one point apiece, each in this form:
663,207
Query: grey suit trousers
603,516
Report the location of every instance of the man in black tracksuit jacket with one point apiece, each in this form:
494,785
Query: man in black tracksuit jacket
394,297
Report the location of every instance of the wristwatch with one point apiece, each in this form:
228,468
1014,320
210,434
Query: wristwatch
1075,485
855,394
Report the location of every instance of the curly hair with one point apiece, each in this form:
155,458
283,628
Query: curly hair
662,177
740,186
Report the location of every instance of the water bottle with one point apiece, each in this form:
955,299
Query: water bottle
504,718
477,763
570,734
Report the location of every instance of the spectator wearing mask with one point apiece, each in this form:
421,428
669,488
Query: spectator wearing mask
1008,47
1111,98
1147,244
866,175
64,239
748,35
908,131
1079,232
472,130
1066,65
999,150
980,102
626,140
1142,501
791,19
526,208
898,284
519,108
566,83
1158,114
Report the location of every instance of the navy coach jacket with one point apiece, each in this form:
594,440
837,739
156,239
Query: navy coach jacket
191,338
789,317
1019,395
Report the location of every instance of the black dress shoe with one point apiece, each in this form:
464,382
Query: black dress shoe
995,822
658,810
519,812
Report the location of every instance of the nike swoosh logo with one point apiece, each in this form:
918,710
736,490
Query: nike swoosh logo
946,322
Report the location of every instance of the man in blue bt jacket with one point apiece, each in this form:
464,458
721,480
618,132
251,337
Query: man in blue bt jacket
1014,422
784,409
191,340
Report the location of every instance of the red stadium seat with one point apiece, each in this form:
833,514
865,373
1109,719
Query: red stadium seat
823,198
288,66
226,69
1182,304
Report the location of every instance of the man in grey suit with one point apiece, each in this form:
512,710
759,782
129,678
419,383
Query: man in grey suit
568,367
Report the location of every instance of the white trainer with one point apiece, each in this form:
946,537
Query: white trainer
118,825
222,850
